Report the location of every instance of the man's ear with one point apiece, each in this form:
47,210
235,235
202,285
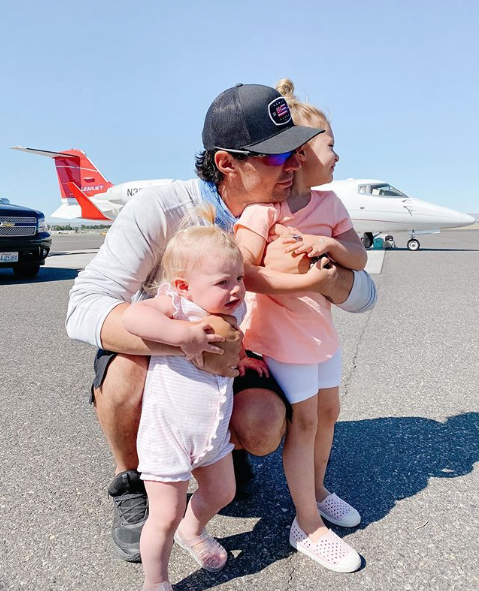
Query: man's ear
225,163
181,286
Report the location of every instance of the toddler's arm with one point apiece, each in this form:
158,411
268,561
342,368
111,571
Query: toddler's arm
268,281
153,320
345,249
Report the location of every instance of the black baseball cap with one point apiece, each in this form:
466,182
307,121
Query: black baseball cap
255,118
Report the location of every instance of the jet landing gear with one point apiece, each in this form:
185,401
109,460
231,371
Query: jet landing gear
367,239
413,243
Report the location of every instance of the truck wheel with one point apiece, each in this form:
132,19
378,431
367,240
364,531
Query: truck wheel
26,272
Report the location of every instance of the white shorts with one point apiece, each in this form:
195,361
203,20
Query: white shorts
302,381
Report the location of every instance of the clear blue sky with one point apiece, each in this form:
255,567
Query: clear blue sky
129,83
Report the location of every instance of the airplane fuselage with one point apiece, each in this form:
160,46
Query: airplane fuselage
376,207
369,212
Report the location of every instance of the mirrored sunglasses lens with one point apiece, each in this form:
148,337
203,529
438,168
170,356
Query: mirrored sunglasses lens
277,159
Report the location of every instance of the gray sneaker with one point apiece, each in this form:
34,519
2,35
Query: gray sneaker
131,510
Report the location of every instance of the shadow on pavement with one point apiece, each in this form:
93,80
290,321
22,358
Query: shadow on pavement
381,461
45,275
61,253
374,464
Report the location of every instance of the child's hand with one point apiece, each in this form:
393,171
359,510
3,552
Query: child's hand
198,340
251,363
313,246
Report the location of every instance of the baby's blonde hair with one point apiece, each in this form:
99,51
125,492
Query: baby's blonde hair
192,245
302,112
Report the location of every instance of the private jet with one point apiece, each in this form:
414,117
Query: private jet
375,207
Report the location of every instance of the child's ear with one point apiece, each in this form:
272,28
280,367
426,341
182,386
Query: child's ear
301,153
181,286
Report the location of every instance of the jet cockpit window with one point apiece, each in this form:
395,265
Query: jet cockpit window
385,191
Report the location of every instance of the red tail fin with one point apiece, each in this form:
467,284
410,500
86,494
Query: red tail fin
74,167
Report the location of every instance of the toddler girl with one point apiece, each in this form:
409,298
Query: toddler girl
185,413
296,336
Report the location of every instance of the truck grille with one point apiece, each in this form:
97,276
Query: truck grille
24,226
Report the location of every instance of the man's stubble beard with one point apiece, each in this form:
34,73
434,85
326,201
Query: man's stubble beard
281,195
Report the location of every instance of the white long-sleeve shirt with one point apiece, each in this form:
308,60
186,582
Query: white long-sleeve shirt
129,258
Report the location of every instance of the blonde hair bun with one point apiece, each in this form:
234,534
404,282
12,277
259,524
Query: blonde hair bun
303,113
285,87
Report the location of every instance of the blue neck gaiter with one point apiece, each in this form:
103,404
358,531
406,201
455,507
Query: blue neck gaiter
224,218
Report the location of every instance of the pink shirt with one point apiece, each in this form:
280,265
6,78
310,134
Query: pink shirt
293,328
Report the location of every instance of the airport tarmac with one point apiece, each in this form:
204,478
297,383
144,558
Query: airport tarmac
405,452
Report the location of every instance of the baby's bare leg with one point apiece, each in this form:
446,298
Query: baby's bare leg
216,488
167,501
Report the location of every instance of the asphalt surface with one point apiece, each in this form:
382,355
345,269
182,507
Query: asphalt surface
404,453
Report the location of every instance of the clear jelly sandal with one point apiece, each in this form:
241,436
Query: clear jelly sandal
207,552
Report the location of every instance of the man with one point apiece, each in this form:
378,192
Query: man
250,142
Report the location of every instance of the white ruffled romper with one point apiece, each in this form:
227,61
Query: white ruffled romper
185,412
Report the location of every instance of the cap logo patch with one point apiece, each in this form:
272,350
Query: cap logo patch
279,111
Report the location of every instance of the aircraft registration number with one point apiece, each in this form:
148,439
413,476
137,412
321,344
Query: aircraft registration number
8,257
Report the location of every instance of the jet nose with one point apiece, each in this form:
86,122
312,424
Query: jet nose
456,219
438,216
466,219
451,218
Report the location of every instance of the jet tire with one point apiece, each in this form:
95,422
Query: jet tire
413,244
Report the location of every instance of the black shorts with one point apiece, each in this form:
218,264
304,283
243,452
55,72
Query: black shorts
251,379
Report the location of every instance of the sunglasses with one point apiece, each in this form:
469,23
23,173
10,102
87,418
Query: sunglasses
267,159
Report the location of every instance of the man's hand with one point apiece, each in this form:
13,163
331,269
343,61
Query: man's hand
198,340
226,364
334,283
324,275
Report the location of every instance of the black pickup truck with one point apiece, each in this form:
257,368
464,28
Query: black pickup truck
24,240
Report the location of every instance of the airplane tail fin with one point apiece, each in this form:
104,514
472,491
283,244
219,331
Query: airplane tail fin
89,210
74,168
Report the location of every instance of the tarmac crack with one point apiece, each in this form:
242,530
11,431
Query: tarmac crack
291,570
348,377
